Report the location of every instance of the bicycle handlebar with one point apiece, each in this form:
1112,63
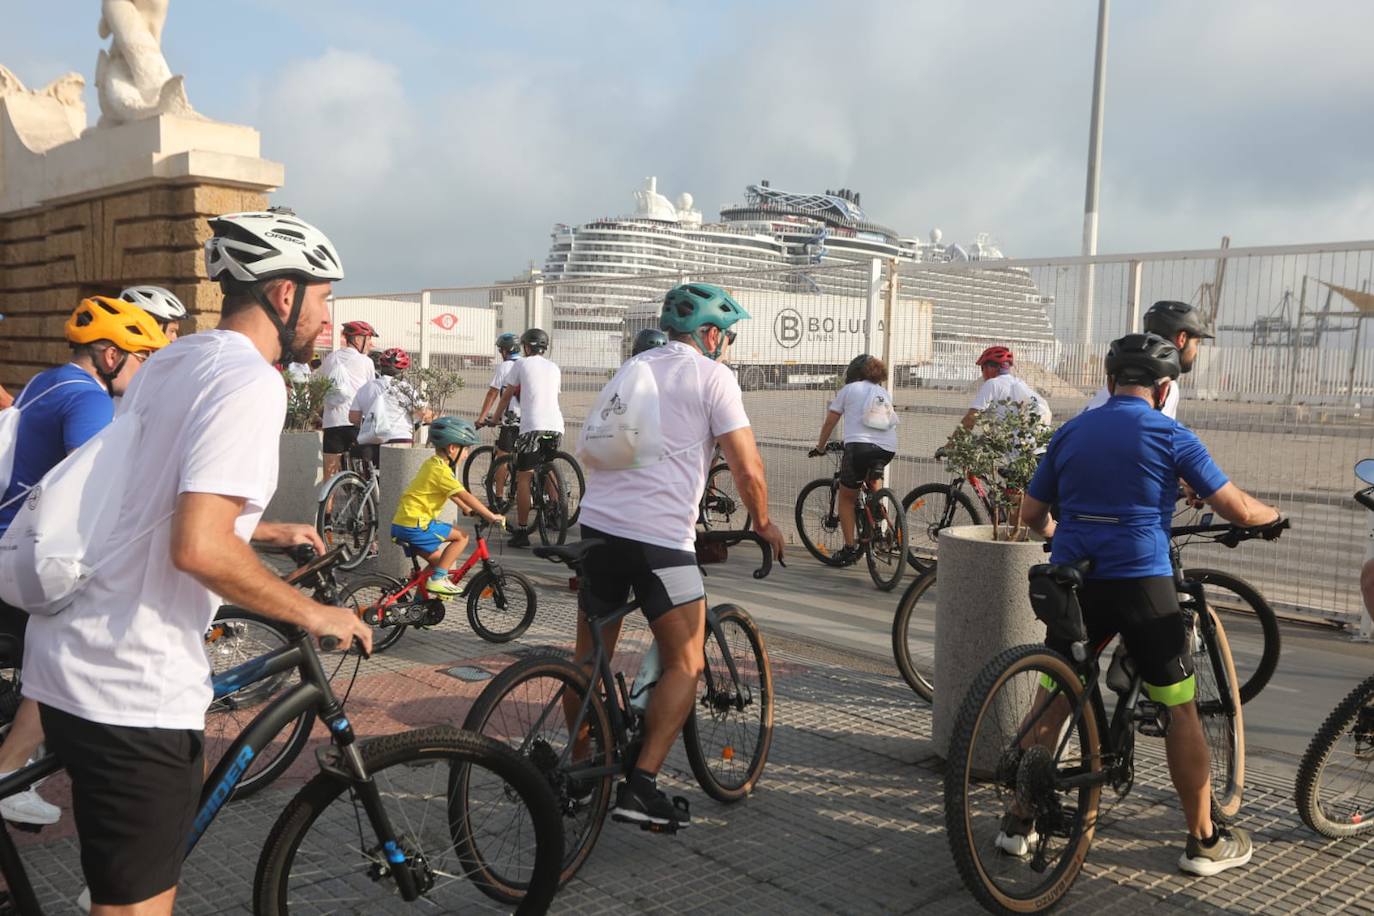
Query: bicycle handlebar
830,449
1231,535
1366,498
734,537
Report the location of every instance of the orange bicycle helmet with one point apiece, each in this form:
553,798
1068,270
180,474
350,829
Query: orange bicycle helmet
123,324
999,355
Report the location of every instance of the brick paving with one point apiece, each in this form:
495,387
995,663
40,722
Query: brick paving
847,818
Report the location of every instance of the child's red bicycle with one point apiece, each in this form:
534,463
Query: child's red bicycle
501,603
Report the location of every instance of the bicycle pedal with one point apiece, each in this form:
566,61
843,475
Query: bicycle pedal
1152,719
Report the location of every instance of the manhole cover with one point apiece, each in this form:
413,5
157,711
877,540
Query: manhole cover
469,673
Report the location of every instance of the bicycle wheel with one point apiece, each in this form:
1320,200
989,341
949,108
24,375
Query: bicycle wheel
476,467
913,636
1023,727
721,507
574,483
730,730
367,591
929,509
550,507
1335,787
527,707
323,856
501,604
500,500
818,522
886,547
1228,593
237,636
1215,677
348,516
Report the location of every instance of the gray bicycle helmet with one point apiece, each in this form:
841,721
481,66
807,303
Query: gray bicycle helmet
1142,359
452,431
648,339
1167,317
536,339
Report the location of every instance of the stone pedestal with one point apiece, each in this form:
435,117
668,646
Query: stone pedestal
299,471
399,464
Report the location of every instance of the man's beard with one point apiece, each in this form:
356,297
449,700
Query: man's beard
302,346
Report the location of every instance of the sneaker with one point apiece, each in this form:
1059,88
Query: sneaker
1017,837
1231,849
441,586
847,555
651,808
519,537
28,807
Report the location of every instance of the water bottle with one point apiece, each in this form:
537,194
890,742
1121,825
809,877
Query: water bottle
649,671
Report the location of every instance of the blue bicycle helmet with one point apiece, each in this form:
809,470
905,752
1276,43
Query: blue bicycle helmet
452,431
508,342
692,306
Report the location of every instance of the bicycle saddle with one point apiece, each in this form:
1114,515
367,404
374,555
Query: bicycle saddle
573,554
1070,574
410,550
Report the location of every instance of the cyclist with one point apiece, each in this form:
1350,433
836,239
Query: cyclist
647,517
396,420
165,307
349,368
61,409
1114,472
121,675
416,522
1000,383
536,381
508,346
870,438
1181,325
647,339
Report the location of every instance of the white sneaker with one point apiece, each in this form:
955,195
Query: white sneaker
28,807
84,900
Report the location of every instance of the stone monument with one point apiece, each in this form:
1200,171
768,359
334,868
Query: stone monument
89,210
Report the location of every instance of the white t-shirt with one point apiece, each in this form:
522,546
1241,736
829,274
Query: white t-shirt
404,398
539,380
500,379
1010,388
298,372
349,370
851,401
1170,408
130,650
698,403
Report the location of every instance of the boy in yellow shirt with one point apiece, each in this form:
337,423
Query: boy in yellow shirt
416,522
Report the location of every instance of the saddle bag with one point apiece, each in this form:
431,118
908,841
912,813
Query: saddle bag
1056,605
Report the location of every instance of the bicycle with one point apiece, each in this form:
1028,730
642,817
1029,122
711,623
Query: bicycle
879,526
375,783
531,704
721,507
1332,788
933,507
1033,732
481,473
549,493
394,605
347,516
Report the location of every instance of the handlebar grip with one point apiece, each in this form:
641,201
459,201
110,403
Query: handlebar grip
329,643
301,554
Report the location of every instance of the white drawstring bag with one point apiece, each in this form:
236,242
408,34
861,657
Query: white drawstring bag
9,433
623,429
878,412
382,419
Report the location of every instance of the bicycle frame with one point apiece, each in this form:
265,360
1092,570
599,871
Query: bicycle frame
421,575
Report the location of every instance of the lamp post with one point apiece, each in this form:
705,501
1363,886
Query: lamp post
1085,302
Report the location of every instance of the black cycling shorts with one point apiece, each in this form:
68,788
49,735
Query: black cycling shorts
1146,614
535,448
134,795
505,438
861,459
13,623
662,578
339,439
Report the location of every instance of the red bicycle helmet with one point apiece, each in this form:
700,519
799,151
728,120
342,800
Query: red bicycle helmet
999,355
395,358
358,329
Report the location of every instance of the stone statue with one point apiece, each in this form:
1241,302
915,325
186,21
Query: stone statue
132,78
44,118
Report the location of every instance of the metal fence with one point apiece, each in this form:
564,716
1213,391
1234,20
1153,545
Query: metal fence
1282,397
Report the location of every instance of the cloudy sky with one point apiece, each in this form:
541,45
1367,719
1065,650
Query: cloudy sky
438,142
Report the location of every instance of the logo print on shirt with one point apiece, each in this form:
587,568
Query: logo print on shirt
616,406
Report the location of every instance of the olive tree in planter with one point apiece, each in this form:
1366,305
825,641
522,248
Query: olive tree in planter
982,605
435,385
299,461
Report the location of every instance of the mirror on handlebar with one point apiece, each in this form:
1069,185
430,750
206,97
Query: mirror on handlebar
1365,470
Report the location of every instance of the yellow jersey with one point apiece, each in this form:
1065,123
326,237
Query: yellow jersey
424,499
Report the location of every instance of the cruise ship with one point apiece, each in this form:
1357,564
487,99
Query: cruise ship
780,237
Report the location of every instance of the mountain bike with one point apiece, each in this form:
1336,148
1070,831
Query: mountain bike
1334,789
550,493
501,602
721,508
1033,732
347,515
485,472
879,527
583,731
376,825
933,507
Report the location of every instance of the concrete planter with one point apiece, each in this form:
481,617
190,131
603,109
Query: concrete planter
982,609
399,465
299,465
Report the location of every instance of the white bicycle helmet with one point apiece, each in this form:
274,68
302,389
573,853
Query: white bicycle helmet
156,301
250,247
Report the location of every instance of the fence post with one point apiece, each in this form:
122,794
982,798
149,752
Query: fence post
535,315
875,273
1297,342
1133,297
424,329
889,306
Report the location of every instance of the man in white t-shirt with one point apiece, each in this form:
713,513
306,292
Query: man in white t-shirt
508,424
647,518
349,368
536,381
1000,383
121,676
1179,323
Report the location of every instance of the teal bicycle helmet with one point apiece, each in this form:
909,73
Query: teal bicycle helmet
692,306
452,431
507,342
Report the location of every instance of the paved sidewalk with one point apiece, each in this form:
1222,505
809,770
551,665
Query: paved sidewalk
847,818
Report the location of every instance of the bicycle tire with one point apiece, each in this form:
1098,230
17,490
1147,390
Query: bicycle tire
476,467
405,760
500,586
1255,681
513,724
885,549
923,528
978,707
352,523
721,506
574,483
551,515
1225,733
716,714
236,636
502,502
366,591
818,522
1350,818
919,673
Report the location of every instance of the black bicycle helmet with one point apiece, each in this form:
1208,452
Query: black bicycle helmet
1142,359
648,339
856,367
1166,318
536,339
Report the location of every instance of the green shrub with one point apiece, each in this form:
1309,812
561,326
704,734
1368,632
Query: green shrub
1000,449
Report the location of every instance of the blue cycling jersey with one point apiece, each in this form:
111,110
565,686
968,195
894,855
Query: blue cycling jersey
1114,474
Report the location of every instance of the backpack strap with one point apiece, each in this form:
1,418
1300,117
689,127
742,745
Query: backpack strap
20,403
